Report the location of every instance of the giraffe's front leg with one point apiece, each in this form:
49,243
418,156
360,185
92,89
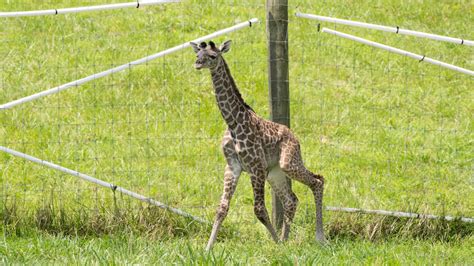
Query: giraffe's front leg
258,185
231,176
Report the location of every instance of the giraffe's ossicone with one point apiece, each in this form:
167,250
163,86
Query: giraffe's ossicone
267,151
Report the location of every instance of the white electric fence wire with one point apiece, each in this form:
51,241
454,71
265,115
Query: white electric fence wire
135,4
420,58
102,183
396,30
127,65
400,214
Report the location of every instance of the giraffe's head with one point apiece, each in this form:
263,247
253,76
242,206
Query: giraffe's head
208,55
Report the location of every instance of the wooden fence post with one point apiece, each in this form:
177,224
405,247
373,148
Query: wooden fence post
277,39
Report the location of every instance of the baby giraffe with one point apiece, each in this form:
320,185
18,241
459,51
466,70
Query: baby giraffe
264,149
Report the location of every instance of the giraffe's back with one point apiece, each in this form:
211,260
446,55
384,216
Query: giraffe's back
273,136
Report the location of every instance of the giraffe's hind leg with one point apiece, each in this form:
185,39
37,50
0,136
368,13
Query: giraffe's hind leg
292,164
279,183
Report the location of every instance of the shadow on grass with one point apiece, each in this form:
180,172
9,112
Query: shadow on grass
151,221
377,228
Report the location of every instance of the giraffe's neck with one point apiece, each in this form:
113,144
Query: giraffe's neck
233,108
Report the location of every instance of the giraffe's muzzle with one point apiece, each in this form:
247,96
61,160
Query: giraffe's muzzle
198,66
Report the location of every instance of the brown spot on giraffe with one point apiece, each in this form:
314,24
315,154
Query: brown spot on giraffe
266,150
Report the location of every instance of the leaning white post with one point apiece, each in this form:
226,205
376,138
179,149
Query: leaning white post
102,183
418,57
396,30
136,4
126,66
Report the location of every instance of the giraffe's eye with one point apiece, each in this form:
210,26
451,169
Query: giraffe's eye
212,56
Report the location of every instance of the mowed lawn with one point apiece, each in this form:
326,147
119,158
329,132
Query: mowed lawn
386,131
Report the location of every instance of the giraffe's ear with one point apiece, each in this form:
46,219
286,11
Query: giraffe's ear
225,47
195,47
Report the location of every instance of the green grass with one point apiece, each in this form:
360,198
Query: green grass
133,249
386,131
150,235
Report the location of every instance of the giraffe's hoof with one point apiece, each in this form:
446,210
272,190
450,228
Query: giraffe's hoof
283,239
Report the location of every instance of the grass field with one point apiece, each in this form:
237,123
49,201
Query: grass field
386,131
